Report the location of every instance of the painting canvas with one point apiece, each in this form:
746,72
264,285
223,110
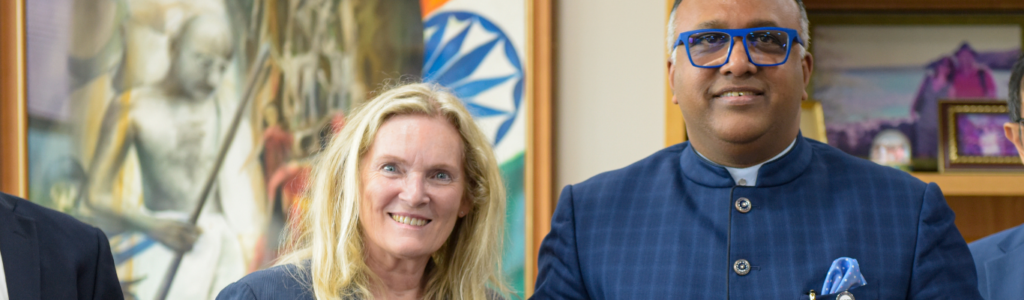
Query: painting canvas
981,134
130,100
873,78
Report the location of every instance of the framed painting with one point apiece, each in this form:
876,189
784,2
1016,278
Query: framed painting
972,137
68,66
878,73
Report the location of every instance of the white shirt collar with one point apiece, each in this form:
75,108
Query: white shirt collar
3,281
748,176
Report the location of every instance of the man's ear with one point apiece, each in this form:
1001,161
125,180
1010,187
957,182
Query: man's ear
672,82
807,64
1010,130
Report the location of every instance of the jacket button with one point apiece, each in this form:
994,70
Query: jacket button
741,267
743,205
845,295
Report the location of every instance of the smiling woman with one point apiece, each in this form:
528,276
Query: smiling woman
407,202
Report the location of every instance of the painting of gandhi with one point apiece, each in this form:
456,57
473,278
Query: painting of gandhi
151,90
174,128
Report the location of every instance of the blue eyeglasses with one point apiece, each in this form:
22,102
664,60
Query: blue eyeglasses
765,46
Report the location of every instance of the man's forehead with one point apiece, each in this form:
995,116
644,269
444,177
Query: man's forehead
723,24
729,14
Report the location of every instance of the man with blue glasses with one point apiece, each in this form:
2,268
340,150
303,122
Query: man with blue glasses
748,208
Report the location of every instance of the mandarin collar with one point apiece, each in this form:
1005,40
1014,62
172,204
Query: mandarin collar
774,173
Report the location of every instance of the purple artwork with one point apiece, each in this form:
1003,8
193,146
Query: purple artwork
981,134
964,75
870,79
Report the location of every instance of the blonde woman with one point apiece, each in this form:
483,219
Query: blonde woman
407,203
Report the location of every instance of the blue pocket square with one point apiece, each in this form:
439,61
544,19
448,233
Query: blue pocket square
844,274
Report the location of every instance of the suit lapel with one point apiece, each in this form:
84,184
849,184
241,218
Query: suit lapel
19,247
1006,273
1006,276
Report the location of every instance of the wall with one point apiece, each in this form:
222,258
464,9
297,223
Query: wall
609,85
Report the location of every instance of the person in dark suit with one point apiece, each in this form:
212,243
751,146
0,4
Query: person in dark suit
50,255
406,202
999,258
748,208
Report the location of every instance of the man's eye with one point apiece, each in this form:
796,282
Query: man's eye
767,39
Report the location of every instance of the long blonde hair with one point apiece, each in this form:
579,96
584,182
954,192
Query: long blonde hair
468,264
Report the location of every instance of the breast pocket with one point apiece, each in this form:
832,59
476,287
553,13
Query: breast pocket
866,292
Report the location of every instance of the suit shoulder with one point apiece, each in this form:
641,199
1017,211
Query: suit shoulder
49,218
657,164
278,282
1014,237
849,165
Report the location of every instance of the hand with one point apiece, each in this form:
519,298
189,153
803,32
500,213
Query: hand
179,236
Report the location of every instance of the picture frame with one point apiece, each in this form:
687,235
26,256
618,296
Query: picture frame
895,80
537,60
972,138
13,119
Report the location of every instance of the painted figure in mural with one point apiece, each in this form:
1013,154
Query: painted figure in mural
748,207
152,84
174,129
407,202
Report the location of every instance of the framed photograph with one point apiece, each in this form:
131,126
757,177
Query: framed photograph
65,131
880,72
972,137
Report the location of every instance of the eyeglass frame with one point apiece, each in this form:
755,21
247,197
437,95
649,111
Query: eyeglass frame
742,32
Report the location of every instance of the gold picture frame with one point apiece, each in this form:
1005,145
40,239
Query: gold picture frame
958,150
13,117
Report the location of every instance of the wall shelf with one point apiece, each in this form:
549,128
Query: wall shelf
976,184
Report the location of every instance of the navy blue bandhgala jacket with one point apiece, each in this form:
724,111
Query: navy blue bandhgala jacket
668,227
50,255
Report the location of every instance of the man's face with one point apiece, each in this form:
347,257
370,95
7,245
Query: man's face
739,102
200,68
1012,130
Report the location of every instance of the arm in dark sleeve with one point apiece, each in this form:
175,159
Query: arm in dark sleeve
558,263
106,284
943,267
237,291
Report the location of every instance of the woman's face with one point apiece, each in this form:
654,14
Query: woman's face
413,182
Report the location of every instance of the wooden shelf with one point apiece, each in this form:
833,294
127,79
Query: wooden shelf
976,184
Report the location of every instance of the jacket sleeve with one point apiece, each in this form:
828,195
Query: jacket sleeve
559,275
943,267
106,284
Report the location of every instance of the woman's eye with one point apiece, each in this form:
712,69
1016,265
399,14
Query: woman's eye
443,176
389,168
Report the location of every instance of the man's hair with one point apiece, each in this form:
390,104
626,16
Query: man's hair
1013,103
673,35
